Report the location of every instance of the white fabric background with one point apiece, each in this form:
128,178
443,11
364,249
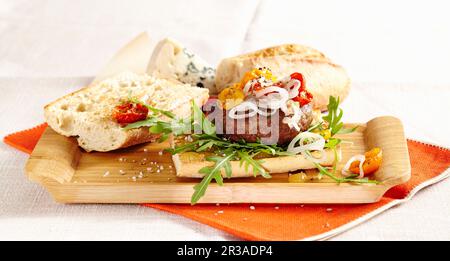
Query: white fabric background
396,53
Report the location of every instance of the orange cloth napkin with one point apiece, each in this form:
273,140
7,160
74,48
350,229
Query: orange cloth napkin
430,164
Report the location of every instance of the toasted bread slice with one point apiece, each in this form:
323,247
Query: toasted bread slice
188,164
323,78
87,113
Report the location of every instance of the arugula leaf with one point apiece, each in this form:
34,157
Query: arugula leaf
324,171
144,123
212,172
183,148
163,137
156,111
207,145
334,117
157,128
345,131
316,126
153,109
332,143
205,125
200,188
222,162
248,160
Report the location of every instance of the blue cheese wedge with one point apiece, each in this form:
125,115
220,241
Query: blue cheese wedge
170,60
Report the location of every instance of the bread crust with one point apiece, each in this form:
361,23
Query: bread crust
286,49
46,107
323,78
138,136
188,164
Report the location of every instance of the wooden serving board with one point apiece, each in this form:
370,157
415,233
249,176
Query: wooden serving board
143,174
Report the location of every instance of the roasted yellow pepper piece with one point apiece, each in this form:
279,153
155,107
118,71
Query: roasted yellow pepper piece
231,96
256,73
372,163
326,134
234,95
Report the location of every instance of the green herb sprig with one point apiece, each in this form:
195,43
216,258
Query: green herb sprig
333,119
212,172
324,171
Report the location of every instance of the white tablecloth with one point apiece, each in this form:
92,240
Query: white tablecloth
396,54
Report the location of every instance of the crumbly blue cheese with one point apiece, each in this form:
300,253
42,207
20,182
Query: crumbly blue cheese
193,70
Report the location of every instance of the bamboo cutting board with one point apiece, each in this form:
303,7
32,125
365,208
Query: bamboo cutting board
145,174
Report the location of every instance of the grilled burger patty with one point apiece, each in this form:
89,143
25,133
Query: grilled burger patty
261,127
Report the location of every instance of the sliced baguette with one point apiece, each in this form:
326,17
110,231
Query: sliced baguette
87,113
170,60
188,164
323,78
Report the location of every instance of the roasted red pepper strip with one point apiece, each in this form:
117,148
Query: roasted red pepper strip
304,97
130,112
299,76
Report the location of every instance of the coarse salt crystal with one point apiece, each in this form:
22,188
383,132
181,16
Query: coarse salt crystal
329,209
220,211
106,174
252,207
145,150
121,172
160,153
134,178
277,207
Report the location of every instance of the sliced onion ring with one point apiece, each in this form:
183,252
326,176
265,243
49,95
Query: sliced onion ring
294,119
247,87
293,87
240,111
272,97
270,89
346,170
264,112
317,144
